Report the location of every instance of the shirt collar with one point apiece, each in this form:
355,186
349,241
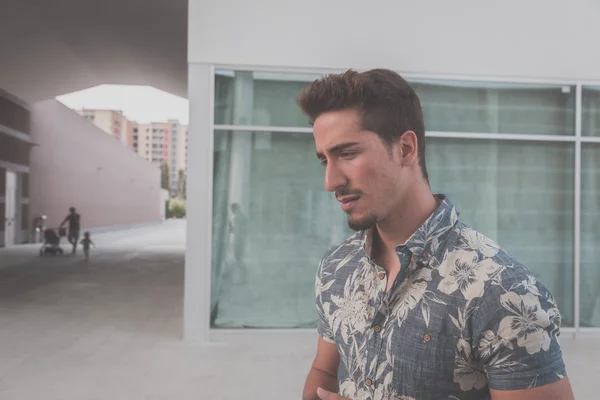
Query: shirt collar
420,243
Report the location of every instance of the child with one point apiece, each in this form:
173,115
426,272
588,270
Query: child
86,242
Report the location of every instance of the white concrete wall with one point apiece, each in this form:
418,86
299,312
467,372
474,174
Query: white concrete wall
535,38
77,164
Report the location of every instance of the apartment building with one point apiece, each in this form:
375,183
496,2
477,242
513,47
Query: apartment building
156,142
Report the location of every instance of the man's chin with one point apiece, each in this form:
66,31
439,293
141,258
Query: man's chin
361,223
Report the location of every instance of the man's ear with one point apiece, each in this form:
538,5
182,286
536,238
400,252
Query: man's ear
407,148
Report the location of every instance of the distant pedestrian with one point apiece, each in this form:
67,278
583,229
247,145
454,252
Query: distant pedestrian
86,242
74,221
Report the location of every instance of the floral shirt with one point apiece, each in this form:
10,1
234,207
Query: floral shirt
461,318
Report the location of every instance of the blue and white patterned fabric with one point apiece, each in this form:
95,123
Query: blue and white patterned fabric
463,316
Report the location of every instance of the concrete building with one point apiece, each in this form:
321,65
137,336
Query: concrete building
156,142
142,140
512,117
178,153
113,122
76,164
15,169
163,143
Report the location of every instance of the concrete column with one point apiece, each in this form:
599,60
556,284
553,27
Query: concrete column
196,322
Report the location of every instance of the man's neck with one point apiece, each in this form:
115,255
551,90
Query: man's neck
397,228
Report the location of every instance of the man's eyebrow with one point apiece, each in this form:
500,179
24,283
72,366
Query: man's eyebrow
338,148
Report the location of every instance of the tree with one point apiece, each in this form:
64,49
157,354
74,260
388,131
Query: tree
181,184
176,208
164,176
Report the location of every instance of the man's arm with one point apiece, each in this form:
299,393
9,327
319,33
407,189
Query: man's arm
64,221
323,372
560,390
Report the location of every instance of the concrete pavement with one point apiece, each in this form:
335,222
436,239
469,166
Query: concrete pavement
110,329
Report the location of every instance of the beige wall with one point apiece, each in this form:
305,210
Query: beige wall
127,138
103,120
76,164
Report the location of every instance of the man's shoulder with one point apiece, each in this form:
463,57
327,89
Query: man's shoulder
341,250
481,247
500,270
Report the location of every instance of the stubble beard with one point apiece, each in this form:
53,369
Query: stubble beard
362,224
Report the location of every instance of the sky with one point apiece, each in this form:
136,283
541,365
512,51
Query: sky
142,104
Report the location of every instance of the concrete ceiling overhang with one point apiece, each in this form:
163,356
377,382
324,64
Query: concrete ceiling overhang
52,47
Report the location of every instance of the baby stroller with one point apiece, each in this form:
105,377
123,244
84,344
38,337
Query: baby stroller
51,243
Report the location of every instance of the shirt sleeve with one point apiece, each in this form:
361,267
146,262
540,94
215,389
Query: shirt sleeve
323,304
515,335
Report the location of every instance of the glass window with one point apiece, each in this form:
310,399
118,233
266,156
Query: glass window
259,98
497,107
269,99
590,235
271,226
519,194
590,118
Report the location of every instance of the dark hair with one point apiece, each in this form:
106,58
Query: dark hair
386,102
72,209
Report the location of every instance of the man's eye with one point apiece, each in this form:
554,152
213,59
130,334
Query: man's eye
347,156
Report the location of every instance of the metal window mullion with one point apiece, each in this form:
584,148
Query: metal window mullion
408,76
436,134
262,128
501,136
577,214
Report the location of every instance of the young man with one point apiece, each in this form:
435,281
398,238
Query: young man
415,305
74,221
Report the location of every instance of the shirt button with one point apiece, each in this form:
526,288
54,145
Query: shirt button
427,338
377,328
381,275
369,383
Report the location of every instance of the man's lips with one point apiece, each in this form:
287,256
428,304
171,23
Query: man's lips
348,201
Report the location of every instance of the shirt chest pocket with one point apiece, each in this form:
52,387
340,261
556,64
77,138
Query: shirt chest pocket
423,362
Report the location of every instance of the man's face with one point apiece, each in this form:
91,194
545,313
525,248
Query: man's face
360,169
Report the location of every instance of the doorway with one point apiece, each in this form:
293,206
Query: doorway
10,211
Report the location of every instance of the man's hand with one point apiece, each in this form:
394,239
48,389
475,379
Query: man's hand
325,395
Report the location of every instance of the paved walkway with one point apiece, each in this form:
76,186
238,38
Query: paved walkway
110,330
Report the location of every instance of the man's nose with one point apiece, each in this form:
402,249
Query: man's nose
333,178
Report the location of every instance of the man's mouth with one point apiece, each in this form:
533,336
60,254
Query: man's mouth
348,201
